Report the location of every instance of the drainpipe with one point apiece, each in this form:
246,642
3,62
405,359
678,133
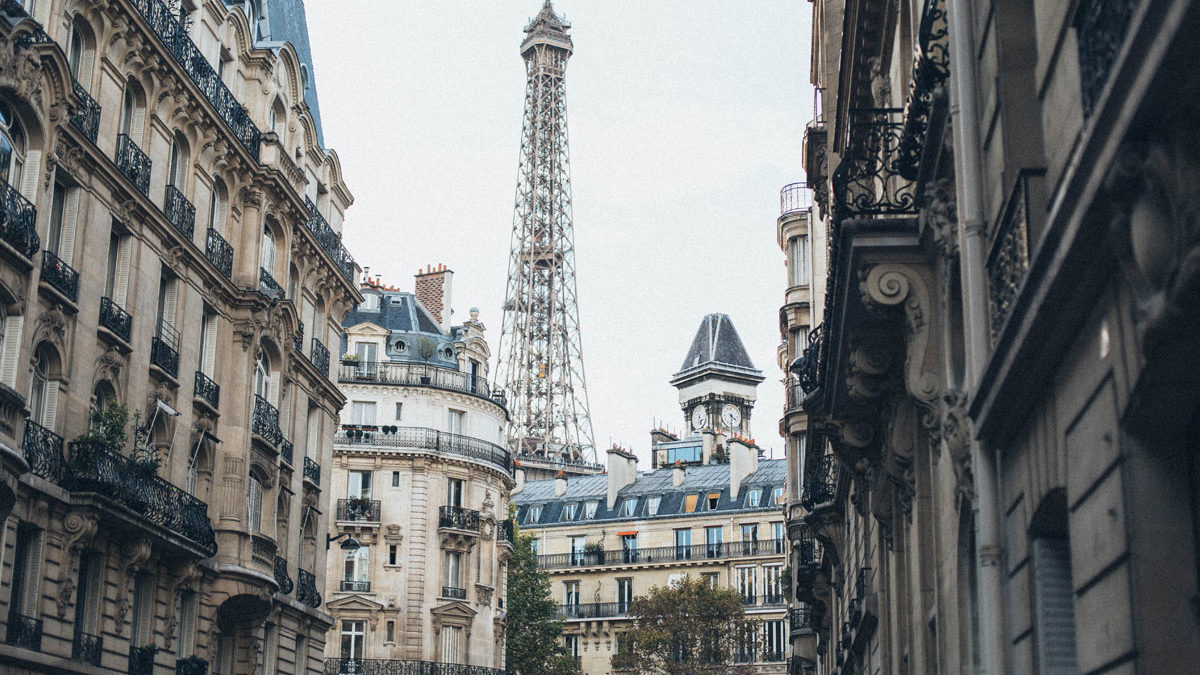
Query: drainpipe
964,114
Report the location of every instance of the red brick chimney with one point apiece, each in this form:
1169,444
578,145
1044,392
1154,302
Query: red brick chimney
432,289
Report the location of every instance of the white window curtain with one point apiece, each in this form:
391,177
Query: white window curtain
254,505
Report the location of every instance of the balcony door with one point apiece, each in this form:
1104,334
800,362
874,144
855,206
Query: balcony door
359,485
353,636
746,583
571,596
683,544
624,595
367,359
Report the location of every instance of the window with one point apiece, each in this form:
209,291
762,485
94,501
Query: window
188,606
208,343
120,254
87,604
777,495
43,391
367,363
391,632
177,169
714,498
571,643
691,453
217,206
535,514
775,641
780,536
453,569
589,509
64,219
712,540
752,498
393,553
143,609
399,411
395,479
454,492
683,544
362,412
533,545
353,637
629,547
713,578
356,569
454,423
370,303
771,587
1054,605
689,503
267,260
254,504
571,593
262,376
451,643
569,510
359,484
624,594
746,579
629,507
168,309
10,345
798,257
577,546
652,505
749,539
27,572
12,148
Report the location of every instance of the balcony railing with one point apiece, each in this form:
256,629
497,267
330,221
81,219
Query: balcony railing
180,212
593,610
868,181
1008,261
94,468
319,357
24,631
821,486
141,660
415,375
312,471
799,617
175,38
306,588
329,240
454,592
558,463
60,276
794,197
809,367
505,530
219,253
765,600
115,319
398,667
18,227
349,586
458,518
298,340
794,397
192,665
285,451
206,390
43,451
366,510
663,554
268,285
133,163
87,648
87,118
281,575
429,439
266,421
164,356
1101,26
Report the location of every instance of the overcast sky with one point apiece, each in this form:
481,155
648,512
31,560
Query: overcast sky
685,119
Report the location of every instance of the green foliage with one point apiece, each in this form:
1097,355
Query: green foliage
426,348
534,634
593,547
684,628
107,427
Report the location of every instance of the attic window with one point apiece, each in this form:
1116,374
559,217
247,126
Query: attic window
713,498
777,495
535,514
652,506
569,511
397,300
400,346
629,507
753,498
370,303
589,509
448,353
689,503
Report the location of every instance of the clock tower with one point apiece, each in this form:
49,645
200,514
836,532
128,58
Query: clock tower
717,383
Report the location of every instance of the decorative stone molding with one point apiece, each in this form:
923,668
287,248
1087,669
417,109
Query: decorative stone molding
483,594
78,528
956,434
132,555
941,216
909,288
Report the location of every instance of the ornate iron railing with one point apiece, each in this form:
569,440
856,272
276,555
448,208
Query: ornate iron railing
306,588
87,118
298,339
799,618
821,486
458,518
398,667
350,586
454,592
312,471
192,665
141,660
268,285
1008,260
794,197
87,648
180,212
662,554
43,451
164,356
428,439
1101,26
868,181
931,67
505,530
60,276
286,451
793,396
592,610
133,163
18,223
319,357
415,375
24,631
219,253
175,38
329,240
266,421
207,390
115,319
92,467
556,462
37,36
366,510
281,575
809,368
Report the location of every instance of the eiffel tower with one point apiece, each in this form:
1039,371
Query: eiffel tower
541,359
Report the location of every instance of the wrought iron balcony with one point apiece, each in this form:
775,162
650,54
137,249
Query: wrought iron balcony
458,518
286,451
268,285
87,118
794,399
663,554
319,356
14,10
24,631
60,276
399,667
505,530
366,510
329,240
822,484
141,660
175,38
415,375
1008,260
428,439
180,212
593,610
87,648
799,618
306,588
164,356
1101,26
281,575
809,367
312,471
219,253
454,592
43,451
931,68
266,421
115,319
133,163
868,182
349,586
18,226
192,665
206,390
794,198
298,339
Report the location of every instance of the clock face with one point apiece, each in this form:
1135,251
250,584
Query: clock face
698,417
730,415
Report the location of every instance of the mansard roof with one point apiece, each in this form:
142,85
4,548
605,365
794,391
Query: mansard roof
718,346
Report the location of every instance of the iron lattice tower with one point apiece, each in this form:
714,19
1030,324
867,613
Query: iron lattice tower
541,359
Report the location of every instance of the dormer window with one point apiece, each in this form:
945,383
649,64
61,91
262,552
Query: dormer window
777,495
589,509
570,510
535,514
652,505
752,498
713,498
629,507
370,303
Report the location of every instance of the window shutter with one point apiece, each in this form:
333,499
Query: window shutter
273,390
138,129
144,612
124,260
187,623
50,409
209,362
254,508
41,11
268,256
1054,604
33,575
12,349
170,302
29,181
66,249
85,68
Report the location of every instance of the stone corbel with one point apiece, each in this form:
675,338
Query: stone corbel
79,528
908,287
133,554
956,435
455,541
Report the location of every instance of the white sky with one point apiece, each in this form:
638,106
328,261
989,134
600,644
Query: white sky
685,119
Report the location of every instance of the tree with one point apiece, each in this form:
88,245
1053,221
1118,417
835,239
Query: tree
687,627
534,632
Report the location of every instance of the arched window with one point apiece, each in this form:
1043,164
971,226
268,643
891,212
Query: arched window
177,172
217,206
12,147
128,106
133,112
103,395
268,250
262,376
43,390
199,478
278,119
75,53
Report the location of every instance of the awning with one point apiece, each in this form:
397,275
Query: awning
631,533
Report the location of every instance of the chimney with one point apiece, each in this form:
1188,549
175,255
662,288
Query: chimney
560,484
432,289
709,444
677,474
661,435
622,470
743,461
520,477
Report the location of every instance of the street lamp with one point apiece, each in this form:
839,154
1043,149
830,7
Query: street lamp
351,544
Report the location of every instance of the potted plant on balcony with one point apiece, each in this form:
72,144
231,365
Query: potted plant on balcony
142,658
191,665
105,436
593,552
358,508
350,357
426,349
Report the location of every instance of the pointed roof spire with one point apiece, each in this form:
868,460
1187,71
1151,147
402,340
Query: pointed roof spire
717,346
547,27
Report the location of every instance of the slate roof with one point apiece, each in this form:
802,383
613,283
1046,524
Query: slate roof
289,24
400,313
717,343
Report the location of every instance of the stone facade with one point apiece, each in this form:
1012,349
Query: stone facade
421,481
162,170
999,464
